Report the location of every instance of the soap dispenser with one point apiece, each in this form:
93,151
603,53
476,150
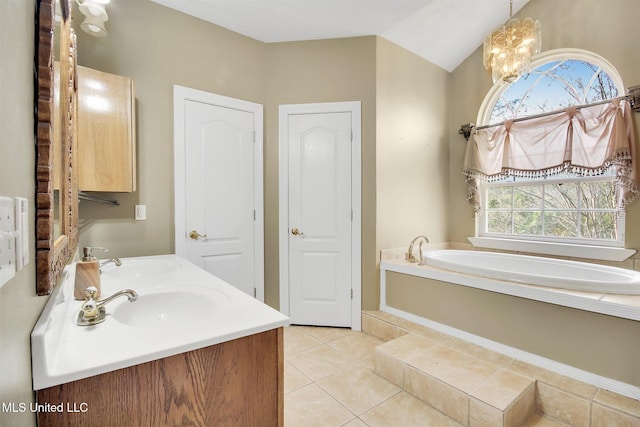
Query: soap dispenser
87,273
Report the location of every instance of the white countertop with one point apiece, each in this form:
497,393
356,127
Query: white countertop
64,352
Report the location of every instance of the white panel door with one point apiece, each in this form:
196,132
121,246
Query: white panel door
320,218
220,227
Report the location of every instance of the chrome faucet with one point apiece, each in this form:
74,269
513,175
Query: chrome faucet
116,261
93,311
409,255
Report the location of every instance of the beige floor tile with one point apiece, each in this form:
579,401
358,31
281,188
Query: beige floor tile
559,381
607,417
446,399
378,328
359,390
614,400
320,362
537,420
404,410
327,334
356,422
478,351
310,406
502,389
296,340
452,367
564,407
293,378
406,347
358,346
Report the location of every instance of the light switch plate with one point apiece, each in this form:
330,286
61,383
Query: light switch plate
141,212
22,228
7,240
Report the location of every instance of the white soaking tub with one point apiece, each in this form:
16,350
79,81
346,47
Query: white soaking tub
532,270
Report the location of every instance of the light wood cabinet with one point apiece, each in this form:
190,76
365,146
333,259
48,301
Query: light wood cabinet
236,383
106,132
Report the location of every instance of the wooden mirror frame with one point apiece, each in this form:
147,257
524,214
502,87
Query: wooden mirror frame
52,256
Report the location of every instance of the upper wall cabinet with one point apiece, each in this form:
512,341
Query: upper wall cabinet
106,132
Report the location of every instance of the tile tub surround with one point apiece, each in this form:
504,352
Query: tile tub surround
559,400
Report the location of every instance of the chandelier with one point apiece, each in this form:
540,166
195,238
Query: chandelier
508,49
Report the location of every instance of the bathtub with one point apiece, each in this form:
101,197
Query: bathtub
549,272
539,271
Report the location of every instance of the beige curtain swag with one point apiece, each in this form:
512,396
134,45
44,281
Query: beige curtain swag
586,141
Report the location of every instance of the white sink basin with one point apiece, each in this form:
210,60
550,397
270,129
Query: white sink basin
180,308
141,269
167,308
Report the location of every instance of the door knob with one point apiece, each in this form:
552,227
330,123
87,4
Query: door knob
297,232
195,235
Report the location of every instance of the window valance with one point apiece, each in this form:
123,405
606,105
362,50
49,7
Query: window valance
584,141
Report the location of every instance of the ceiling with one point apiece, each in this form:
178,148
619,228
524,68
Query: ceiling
444,32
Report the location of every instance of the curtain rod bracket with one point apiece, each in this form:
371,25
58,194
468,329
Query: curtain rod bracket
466,130
634,97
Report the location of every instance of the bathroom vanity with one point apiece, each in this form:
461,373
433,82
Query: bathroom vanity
192,350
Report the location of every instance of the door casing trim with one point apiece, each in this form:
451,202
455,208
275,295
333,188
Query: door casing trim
354,107
180,95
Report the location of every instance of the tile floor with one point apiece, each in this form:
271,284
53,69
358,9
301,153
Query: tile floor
329,381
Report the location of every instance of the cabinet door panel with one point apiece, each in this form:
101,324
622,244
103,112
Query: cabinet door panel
106,132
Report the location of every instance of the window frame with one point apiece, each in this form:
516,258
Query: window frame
581,248
483,215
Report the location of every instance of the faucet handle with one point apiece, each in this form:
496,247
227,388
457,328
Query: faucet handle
91,293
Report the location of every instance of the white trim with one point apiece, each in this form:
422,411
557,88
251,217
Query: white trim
180,95
616,386
354,107
605,253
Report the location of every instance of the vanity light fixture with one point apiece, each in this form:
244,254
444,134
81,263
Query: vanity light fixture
508,49
95,16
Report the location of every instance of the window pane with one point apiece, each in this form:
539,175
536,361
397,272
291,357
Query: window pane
599,225
499,222
527,197
561,224
598,195
499,198
553,86
561,196
528,223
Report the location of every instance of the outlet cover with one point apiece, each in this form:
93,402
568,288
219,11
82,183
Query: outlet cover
141,212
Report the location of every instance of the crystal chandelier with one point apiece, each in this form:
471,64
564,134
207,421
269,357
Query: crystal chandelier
508,49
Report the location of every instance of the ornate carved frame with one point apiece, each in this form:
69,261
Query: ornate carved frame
52,256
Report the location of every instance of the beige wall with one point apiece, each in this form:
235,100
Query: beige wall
321,71
158,47
412,152
19,306
605,345
601,26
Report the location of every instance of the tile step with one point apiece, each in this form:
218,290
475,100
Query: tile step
471,391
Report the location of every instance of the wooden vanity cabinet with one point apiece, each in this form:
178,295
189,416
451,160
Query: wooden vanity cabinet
236,383
106,132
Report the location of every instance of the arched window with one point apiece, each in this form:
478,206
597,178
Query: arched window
558,79
560,202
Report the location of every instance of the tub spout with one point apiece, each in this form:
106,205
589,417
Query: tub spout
409,255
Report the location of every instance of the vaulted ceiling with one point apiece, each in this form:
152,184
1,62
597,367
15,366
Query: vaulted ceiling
444,32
